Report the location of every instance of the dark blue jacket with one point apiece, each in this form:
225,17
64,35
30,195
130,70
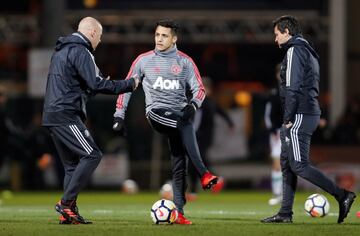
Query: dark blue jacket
300,77
73,78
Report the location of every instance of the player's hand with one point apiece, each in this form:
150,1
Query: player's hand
136,79
189,111
322,123
119,125
288,125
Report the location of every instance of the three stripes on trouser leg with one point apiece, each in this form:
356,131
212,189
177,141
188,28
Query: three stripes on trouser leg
79,136
162,120
295,137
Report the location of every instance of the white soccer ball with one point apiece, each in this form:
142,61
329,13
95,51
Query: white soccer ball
129,186
166,191
164,212
317,205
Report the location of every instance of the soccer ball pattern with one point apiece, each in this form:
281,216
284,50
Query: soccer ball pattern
164,212
316,205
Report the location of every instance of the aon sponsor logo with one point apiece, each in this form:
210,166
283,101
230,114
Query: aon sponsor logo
168,84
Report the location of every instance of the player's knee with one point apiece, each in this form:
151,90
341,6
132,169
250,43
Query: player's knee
285,168
300,169
182,124
95,156
178,171
70,168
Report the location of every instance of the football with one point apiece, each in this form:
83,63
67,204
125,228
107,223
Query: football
166,191
129,186
316,205
164,212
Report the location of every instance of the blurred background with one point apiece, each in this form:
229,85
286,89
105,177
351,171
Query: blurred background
232,43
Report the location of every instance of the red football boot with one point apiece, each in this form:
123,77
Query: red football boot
218,186
208,180
64,221
70,214
181,220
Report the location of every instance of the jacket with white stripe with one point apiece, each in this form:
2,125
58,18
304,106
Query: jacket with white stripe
73,78
300,77
167,79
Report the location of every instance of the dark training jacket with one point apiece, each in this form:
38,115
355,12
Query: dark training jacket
73,78
300,77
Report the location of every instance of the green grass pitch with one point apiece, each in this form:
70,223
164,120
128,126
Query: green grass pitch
113,213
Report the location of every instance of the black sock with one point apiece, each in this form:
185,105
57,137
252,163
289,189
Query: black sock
67,202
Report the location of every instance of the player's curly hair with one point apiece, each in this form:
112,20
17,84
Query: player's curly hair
169,23
288,22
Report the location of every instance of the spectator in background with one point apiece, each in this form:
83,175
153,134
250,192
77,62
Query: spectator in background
12,141
40,154
273,122
347,129
204,124
4,130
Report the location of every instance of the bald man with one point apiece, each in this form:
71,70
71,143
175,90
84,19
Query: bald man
73,78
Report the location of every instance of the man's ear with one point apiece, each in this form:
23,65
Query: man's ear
93,33
287,31
174,39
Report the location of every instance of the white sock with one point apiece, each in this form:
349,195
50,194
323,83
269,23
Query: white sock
276,182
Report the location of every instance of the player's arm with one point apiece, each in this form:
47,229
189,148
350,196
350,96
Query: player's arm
294,77
85,63
123,99
195,84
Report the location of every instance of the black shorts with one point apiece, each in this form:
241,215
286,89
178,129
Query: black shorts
165,121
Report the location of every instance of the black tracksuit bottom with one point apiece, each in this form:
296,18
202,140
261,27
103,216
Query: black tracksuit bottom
182,142
79,155
295,145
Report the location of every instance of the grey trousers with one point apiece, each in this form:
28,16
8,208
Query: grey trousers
295,146
79,155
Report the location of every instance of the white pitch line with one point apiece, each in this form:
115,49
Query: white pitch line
24,210
105,212
245,213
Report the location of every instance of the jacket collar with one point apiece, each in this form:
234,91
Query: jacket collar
75,38
171,52
291,42
300,41
85,39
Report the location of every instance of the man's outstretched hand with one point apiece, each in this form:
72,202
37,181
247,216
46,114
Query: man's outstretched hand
119,125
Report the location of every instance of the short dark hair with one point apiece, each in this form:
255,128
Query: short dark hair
287,22
168,23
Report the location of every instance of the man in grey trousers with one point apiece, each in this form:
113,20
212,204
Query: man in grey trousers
299,91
